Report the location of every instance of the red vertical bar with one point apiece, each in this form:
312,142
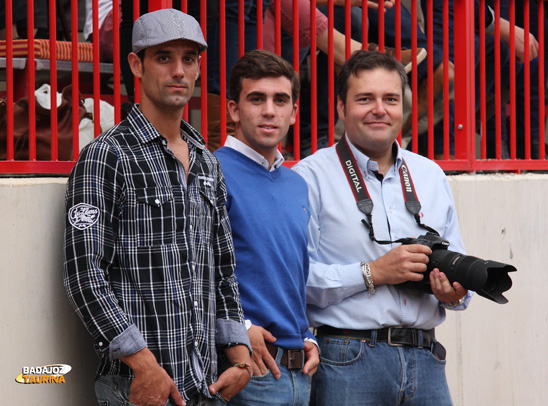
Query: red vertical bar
313,82
483,107
296,60
330,76
397,44
414,78
241,29
136,85
116,60
397,21
278,27
381,26
154,5
31,66
464,81
430,68
259,24
203,73
184,9
347,28
527,82
512,132
541,84
364,24
75,83
53,80
498,116
222,68
96,71
446,140
9,80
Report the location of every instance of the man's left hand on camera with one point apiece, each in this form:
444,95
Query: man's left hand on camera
443,289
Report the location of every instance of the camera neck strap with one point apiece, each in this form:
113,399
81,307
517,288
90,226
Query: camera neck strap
363,199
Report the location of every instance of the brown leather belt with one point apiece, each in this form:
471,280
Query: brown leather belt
291,359
394,336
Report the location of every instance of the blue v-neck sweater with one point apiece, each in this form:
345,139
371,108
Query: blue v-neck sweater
269,215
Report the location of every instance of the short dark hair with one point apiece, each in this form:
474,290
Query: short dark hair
258,64
368,60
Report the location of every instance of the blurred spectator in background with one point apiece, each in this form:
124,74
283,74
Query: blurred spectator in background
105,27
339,54
534,66
489,76
41,19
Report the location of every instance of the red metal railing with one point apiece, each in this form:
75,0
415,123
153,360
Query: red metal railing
466,156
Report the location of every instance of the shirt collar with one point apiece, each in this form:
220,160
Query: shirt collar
366,164
234,143
146,132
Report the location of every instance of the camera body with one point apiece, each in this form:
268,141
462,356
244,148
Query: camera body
431,240
487,278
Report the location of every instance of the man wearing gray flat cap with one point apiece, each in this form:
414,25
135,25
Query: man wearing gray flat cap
149,258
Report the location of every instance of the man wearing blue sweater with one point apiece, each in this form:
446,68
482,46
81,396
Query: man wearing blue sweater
268,209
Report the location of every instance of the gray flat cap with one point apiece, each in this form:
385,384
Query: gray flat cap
166,25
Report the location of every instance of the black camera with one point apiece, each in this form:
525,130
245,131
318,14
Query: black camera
487,278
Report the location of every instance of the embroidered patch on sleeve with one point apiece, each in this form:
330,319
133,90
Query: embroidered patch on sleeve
83,216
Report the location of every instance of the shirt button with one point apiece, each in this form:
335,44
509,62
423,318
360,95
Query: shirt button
195,304
196,343
101,344
157,201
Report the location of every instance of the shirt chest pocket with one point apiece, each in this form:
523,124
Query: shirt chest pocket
202,210
155,216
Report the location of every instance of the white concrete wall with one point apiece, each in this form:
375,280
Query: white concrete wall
496,353
38,326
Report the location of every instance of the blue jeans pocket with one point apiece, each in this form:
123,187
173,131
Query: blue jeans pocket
261,377
340,351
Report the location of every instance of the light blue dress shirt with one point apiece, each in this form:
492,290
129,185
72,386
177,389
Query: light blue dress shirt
338,240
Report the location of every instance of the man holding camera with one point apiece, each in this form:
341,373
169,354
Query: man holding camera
375,331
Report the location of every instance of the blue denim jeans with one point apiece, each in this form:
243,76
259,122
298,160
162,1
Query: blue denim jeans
292,389
232,40
112,390
437,10
355,372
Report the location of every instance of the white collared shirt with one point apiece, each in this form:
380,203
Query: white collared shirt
234,143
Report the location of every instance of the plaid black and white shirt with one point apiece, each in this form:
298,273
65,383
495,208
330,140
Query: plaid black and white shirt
149,259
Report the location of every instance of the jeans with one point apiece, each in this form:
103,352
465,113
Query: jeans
113,390
292,389
355,372
232,55
438,28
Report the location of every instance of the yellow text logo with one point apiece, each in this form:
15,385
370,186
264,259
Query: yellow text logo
54,373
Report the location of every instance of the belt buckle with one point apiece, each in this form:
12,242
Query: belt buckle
390,343
295,359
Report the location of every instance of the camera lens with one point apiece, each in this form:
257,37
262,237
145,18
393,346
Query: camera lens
488,278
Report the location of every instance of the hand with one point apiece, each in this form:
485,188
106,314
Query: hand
230,382
312,358
442,288
519,36
520,45
373,4
151,386
261,356
401,264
